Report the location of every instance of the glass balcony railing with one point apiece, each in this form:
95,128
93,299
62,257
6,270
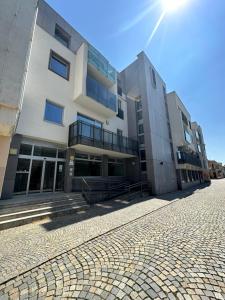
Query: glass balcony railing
97,60
87,134
185,157
101,94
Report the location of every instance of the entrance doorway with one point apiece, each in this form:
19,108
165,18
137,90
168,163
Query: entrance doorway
36,174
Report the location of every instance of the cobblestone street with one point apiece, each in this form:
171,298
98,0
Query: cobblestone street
176,252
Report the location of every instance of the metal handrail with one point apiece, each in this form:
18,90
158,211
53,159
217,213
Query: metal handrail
124,187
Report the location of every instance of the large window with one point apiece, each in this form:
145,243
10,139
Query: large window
116,167
87,165
62,36
59,65
88,120
53,113
188,137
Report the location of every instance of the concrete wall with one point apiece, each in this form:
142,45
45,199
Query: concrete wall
160,167
16,27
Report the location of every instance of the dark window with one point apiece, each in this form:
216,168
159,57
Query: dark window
61,153
139,115
115,169
184,175
140,128
153,78
44,151
119,132
184,118
23,165
139,105
62,36
87,168
142,155
20,182
141,139
143,166
59,65
53,112
119,90
25,149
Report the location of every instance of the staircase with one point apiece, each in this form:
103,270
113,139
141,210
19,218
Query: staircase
29,209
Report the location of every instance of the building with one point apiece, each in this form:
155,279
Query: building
188,145
16,25
73,123
83,122
216,169
149,122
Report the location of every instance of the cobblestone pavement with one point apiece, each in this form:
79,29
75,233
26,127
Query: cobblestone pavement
25,247
177,252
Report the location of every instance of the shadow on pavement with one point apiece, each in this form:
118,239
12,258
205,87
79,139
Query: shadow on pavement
110,206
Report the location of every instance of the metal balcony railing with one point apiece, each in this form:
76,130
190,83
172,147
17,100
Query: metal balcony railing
101,94
184,157
97,60
90,135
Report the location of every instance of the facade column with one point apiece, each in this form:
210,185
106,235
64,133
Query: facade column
10,174
69,170
4,152
105,169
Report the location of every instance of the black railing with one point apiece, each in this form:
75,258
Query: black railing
120,113
90,135
101,94
184,157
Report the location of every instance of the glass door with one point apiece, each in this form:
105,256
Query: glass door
49,174
36,176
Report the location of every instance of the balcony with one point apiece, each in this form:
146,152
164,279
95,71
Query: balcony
188,157
93,139
101,94
98,61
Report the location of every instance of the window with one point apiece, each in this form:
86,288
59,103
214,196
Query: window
88,120
139,105
62,36
142,155
44,151
184,118
199,148
59,65
139,115
141,139
119,132
140,128
25,149
119,90
53,113
120,111
143,166
153,78
187,137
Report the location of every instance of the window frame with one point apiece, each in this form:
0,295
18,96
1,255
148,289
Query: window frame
64,33
153,75
61,60
56,104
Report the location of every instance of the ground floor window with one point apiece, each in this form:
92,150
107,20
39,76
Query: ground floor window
116,167
87,168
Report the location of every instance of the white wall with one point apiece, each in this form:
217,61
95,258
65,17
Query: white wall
43,84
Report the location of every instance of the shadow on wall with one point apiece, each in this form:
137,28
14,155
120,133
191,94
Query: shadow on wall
106,207
184,193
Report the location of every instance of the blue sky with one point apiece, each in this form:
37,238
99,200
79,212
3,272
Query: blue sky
188,50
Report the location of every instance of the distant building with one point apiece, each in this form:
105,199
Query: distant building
216,169
188,145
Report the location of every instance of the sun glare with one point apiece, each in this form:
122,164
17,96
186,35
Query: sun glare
172,5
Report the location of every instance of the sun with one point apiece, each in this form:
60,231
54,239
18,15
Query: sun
172,5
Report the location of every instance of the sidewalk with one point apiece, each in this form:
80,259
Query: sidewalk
27,246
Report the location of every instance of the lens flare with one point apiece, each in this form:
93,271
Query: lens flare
172,5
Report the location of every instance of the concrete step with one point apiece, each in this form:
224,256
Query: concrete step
38,203
24,211
39,216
